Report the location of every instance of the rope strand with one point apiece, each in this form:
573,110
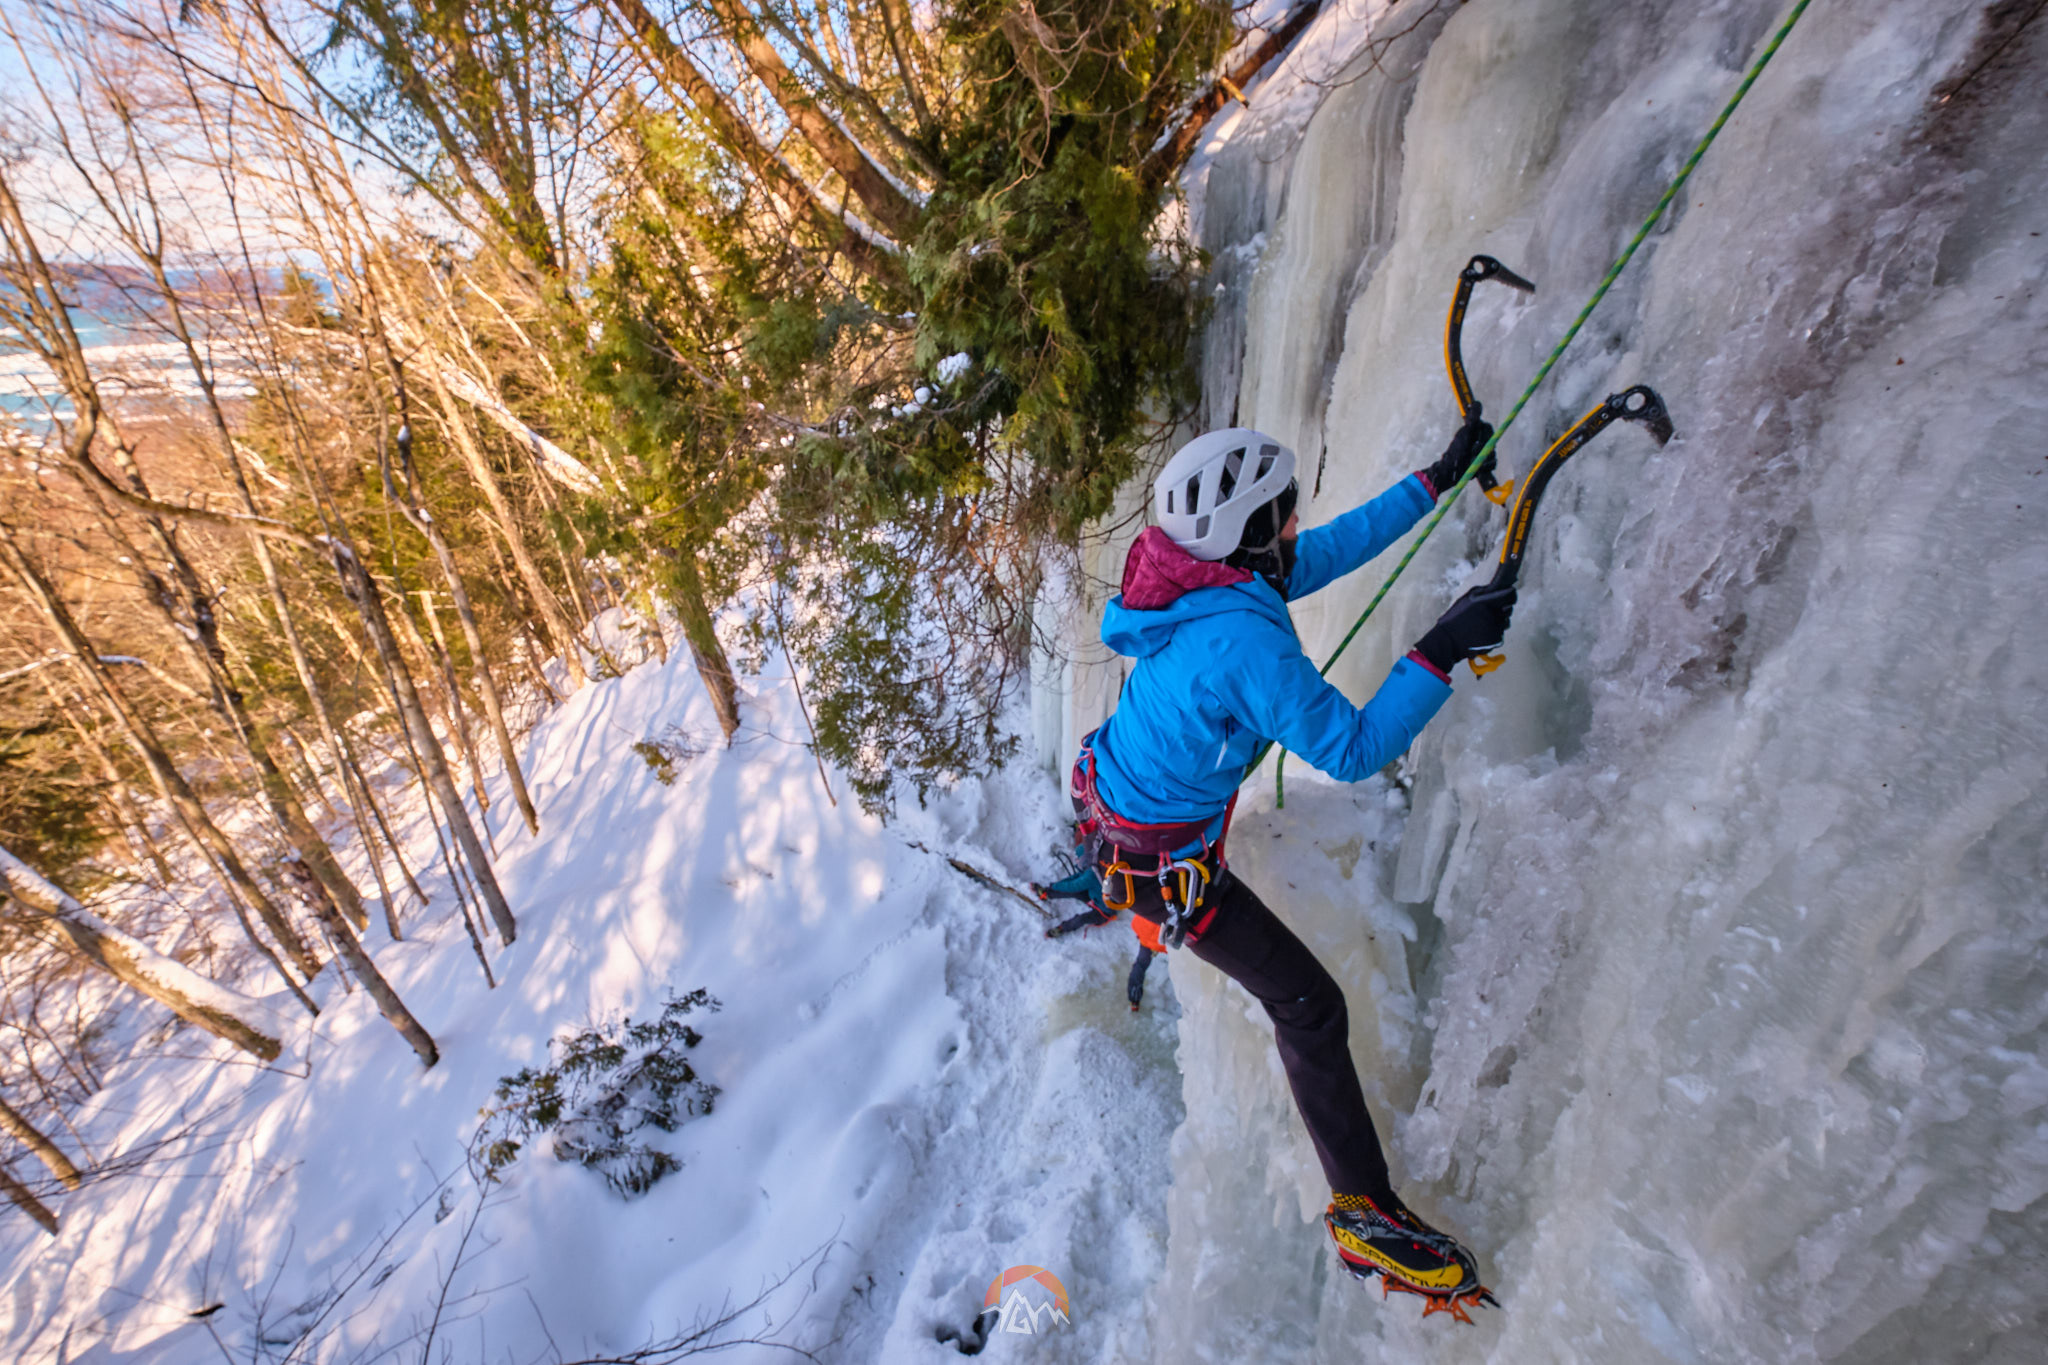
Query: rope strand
1543,371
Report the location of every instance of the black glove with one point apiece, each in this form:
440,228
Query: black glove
1475,624
1470,440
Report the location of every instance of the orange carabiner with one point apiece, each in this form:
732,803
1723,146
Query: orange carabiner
1123,869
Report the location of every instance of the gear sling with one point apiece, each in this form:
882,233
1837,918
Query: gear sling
1185,864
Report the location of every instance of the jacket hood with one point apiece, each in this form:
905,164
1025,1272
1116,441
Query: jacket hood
1157,571
1164,586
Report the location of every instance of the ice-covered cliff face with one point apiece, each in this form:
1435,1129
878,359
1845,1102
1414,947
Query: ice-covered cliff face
1701,977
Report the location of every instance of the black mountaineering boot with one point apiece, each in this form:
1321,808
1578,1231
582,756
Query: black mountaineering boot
1406,1253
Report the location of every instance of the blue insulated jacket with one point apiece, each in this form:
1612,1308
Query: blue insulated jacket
1219,671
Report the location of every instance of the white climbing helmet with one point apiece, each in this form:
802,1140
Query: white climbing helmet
1214,483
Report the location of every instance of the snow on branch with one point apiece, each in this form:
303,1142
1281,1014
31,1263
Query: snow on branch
560,465
109,659
58,918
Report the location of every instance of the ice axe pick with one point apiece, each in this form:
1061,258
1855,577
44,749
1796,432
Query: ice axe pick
1477,270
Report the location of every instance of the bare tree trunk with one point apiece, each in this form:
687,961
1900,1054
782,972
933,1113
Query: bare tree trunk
439,665
303,768
352,805
201,638
413,508
19,1195
351,949
142,231
362,782
248,1024
1175,147
31,1137
132,818
863,246
855,96
896,22
362,589
505,577
879,193
653,615
359,783
454,684
699,630
803,709
459,884
573,566
170,783
486,682
537,589
302,664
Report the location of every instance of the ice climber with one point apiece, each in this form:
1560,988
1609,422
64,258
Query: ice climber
1216,672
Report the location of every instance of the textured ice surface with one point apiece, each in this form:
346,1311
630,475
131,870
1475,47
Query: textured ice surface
1711,1008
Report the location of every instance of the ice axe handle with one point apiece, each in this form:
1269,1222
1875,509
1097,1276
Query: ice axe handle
1504,578
1489,484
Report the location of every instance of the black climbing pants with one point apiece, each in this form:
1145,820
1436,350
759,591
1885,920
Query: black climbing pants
1248,943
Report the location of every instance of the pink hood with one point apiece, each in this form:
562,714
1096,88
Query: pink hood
1157,572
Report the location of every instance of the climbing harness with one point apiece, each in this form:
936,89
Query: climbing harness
1183,894
1628,252
1477,270
1185,862
1639,404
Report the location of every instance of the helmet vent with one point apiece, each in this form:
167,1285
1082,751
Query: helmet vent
1194,494
1266,457
1232,464
1201,527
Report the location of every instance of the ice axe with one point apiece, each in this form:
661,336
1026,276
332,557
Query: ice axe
1639,404
1477,270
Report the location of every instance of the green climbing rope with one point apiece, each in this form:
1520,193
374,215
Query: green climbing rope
1543,371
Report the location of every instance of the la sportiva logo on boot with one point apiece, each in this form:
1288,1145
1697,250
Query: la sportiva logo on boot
1027,1300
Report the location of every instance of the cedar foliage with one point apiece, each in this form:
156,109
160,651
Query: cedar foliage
604,1084
908,517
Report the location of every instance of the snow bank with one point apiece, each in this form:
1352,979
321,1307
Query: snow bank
1700,977
917,1091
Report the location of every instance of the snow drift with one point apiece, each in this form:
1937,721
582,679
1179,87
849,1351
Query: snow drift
916,1092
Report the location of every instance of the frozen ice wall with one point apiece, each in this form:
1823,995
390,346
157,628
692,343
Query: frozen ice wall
1697,962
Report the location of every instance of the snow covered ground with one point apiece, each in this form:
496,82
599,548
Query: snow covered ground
918,1091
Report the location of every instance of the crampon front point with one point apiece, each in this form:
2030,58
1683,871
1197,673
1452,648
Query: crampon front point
1433,1300
1454,1304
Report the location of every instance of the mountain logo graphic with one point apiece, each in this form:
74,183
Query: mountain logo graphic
1029,1300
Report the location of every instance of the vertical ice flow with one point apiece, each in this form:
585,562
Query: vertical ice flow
1715,1019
